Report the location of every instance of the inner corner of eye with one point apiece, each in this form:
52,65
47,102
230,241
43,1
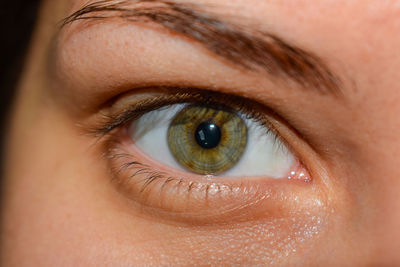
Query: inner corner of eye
205,140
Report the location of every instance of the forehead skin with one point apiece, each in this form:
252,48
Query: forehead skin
52,212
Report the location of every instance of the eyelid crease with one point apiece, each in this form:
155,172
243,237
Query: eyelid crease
252,50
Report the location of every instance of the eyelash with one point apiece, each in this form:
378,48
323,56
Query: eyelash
113,128
185,95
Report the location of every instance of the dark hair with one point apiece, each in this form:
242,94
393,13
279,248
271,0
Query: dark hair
17,19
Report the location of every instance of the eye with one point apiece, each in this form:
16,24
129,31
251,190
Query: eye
202,157
211,140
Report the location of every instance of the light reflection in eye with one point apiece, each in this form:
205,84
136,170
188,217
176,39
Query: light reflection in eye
247,147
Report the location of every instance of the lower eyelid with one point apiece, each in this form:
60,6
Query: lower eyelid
196,199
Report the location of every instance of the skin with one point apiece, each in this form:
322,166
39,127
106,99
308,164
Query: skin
60,207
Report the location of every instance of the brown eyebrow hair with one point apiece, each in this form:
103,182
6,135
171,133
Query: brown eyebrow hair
249,49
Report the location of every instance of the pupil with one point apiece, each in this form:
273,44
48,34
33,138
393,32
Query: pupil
208,135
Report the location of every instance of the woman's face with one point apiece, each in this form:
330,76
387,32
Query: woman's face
206,133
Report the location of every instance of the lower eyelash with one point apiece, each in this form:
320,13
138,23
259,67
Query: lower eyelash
138,167
151,176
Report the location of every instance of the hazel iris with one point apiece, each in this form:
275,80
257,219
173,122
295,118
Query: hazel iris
207,140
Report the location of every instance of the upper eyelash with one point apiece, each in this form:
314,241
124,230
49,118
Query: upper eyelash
189,95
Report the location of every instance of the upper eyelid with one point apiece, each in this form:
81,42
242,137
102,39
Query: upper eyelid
240,46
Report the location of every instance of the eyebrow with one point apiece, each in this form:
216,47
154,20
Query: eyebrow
245,47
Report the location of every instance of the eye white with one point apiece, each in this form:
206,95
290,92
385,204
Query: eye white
264,155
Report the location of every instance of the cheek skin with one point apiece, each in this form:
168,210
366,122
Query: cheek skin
63,209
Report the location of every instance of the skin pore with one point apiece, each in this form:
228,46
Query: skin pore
64,203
